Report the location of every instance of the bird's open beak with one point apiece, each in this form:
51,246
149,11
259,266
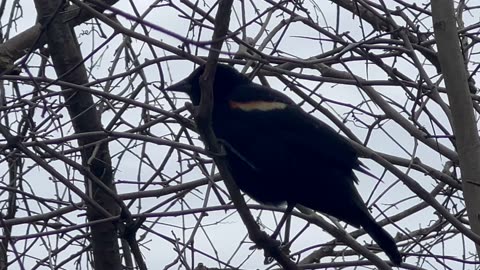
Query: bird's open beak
183,86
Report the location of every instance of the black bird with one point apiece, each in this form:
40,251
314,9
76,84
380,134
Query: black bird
277,153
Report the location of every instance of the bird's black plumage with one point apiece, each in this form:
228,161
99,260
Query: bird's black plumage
278,153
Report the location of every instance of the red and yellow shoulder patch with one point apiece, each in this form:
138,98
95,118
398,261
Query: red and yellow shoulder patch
258,105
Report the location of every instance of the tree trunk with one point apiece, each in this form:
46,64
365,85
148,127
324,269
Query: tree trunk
464,126
67,60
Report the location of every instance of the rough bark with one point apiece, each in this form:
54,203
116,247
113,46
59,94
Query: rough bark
464,125
67,60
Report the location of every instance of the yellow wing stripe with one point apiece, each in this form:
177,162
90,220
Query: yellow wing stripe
258,105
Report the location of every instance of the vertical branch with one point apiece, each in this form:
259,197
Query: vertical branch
14,164
203,120
465,129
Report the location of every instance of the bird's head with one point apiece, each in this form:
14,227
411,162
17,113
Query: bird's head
226,77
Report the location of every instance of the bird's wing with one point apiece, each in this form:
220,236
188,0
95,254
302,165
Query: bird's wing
282,128
255,92
306,136
294,155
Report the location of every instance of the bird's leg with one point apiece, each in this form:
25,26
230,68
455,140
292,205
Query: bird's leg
285,216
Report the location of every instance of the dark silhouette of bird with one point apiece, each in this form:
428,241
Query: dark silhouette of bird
277,153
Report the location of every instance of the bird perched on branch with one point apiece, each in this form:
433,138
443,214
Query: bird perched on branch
277,153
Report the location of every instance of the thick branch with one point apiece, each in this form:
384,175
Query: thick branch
464,125
68,64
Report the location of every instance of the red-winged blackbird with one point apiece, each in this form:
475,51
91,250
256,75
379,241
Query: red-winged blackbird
278,153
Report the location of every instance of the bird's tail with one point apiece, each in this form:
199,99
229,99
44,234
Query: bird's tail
383,239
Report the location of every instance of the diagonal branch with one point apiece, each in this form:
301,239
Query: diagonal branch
203,120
